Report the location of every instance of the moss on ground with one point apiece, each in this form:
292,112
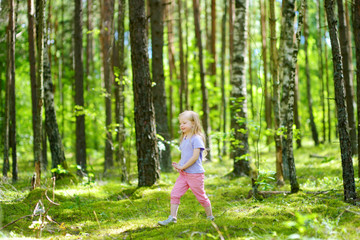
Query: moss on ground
108,209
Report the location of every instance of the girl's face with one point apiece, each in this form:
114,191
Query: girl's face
185,125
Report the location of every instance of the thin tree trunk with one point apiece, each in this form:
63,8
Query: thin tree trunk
119,92
172,68
40,8
186,55
290,114
12,104
157,35
345,143
107,19
44,158
356,26
204,92
314,131
296,107
239,146
267,97
51,125
252,107
276,96
231,37
213,39
320,65
79,90
223,96
182,69
346,61
146,145
89,44
61,69
327,92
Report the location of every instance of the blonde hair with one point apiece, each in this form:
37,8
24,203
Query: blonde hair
197,128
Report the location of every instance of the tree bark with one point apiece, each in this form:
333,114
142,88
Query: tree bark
119,54
314,131
40,8
51,125
276,94
231,37
146,145
157,35
213,38
356,26
182,69
238,108
107,19
204,92
267,96
252,107
79,90
348,81
296,107
89,44
172,67
328,92
223,96
345,144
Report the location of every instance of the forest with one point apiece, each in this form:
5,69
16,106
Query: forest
90,97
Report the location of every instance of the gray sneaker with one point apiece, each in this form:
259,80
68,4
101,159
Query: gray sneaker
171,219
211,218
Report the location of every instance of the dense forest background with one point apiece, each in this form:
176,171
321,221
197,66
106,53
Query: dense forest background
91,90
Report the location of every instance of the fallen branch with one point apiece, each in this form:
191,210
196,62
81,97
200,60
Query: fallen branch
317,156
15,221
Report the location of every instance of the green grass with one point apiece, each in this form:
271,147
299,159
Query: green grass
107,209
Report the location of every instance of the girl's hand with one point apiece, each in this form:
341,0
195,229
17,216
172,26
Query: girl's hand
177,166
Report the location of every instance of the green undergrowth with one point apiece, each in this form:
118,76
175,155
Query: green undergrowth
105,208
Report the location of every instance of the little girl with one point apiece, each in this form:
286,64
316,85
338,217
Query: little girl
190,166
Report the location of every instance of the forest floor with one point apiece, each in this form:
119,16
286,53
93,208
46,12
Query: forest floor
104,208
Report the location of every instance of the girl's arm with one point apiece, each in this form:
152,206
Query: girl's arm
192,160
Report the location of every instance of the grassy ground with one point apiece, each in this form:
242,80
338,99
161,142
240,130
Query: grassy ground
108,209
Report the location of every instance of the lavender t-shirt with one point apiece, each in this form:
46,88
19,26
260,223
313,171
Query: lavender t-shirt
187,147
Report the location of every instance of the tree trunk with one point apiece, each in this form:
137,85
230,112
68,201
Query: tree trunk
328,93
296,107
290,114
51,125
276,96
267,96
89,44
356,26
182,69
44,158
213,39
314,131
186,55
107,19
157,35
238,108
223,96
79,90
146,145
346,62
252,107
119,55
40,8
345,144
320,65
171,56
231,37
204,92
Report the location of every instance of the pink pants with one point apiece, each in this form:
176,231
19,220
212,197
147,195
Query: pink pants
194,181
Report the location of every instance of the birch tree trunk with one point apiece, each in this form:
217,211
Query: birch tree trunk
79,90
238,108
348,81
356,26
119,55
345,144
223,96
107,25
146,145
296,107
157,35
276,94
314,131
204,92
40,8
